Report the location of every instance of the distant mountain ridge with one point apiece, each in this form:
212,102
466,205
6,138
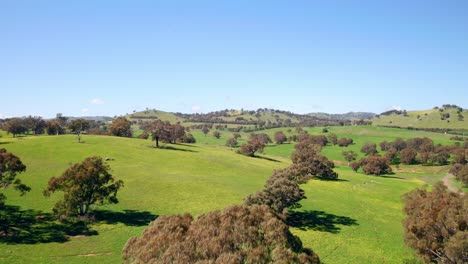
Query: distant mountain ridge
346,116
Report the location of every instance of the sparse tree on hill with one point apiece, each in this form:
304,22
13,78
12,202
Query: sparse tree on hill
232,142
216,134
77,126
344,142
376,165
333,138
253,145
54,128
369,149
10,167
121,127
349,156
236,135
205,130
280,137
84,184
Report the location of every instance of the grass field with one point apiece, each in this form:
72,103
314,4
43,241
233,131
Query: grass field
354,220
425,119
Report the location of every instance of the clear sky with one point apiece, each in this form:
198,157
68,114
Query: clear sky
113,57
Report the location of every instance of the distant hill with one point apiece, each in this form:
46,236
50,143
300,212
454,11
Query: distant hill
347,116
95,118
260,118
444,117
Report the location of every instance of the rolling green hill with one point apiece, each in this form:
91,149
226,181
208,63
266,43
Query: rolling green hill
441,118
354,220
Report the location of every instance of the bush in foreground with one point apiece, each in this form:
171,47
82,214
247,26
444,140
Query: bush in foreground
238,234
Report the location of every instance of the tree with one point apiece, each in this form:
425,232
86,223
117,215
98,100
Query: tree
375,165
77,126
188,138
236,135
84,184
264,138
436,224
349,155
216,134
369,149
408,156
121,127
15,126
461,172
53,127
253,145
205,130
238,234
36,124
278,195
232,142
307,155
333,138
344,142
280,137
10,167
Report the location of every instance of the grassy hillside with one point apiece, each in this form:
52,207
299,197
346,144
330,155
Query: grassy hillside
433,118
155,114
354,220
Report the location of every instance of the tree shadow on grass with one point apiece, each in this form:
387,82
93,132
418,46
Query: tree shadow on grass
331,180
388,176
166,147
318,221
31,227
265,158
127,217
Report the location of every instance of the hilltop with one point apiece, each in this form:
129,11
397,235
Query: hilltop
347,116
444,117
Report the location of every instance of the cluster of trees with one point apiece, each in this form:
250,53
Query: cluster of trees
252,233
417,151
238,234
282,191
373,165
35,125
437,224
168,133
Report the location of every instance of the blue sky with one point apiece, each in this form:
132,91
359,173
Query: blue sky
113,57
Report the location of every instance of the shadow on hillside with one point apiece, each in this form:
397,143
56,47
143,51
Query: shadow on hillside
31,227
266,158
4,143
331,180
127,217
318,221
166,147
388,176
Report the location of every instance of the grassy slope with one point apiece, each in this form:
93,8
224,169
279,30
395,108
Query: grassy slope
194,179
428,119
363,212
165,116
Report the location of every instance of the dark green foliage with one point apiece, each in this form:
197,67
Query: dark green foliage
15,126
144,135
239,234
436,224
77,126
83,185
10,166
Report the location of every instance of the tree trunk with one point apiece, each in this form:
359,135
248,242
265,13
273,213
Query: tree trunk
157,142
